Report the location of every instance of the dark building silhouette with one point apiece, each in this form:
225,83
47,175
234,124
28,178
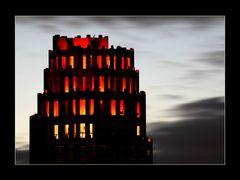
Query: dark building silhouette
91,110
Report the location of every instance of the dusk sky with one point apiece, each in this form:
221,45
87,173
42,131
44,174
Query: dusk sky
181,61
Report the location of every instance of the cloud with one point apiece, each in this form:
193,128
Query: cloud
170,97
197,138
215,58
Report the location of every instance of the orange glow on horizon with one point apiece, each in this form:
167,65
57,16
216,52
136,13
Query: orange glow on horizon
66,84
113,107
82,107
56,108
101,83
71,61
91,106
122,107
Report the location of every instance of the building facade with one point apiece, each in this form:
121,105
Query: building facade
91,110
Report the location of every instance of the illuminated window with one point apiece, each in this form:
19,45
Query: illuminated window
91,60
51,63
130,85
56,108
138,109
113,107
66,107
109,82
71,61
101,105
66,131
92,83
128,61
115,62
56,62
64,62
91,130
84,83
91,106
82,107
56,135
122,107
74,130
123,84
101,83
114,84
66,84
108,61
122,64
99,61
74,107
84,62
47,108
82,130
74,83
138,130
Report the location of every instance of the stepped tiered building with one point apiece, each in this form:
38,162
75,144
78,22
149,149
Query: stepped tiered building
91,110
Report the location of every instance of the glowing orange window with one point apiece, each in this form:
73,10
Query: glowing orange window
130,85
122,107
138,130
82,107
66,84
84,83
56,62
71,61
99,61
123,64
74,107
91,130
66,130
56,135
92,83
74,83
115,62
101,83
108,61
138,109
91,60
74,130
113,107
47,108
123,84
56,108
128,61
114,84
82,130
84,62
91,106
109,82
64,62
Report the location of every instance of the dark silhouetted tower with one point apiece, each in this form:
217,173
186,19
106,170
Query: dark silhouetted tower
91,110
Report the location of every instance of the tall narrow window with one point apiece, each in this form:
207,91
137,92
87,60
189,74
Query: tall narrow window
66,84
84,83
138,109
113,107
71,61
122,63
130,85
74,130
47,108
128,62
66,131
56,108
123,84
84,62
64,62
138,130
82,107
51,63
122,107
91,130
101,83
92,83
109,82
66,107
91,60
108,61
114,84
56,135
82,130
57,62
115,62
74,83
99,61
101,105
74,107
91,106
